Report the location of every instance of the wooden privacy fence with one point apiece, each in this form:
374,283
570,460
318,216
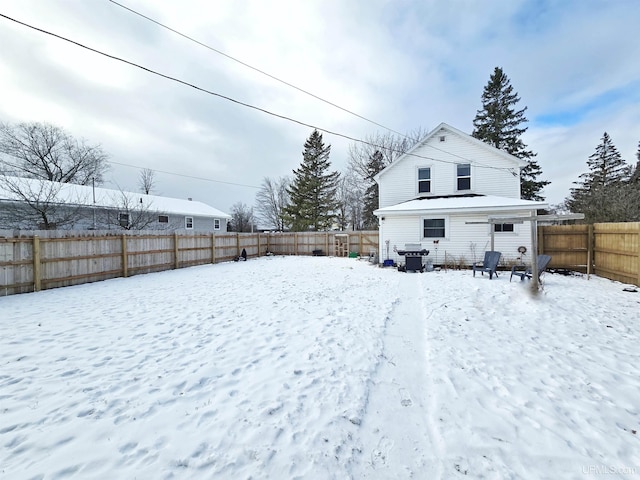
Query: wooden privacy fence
33,261
609,250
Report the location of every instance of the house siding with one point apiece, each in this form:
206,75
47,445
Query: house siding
399,184
464,243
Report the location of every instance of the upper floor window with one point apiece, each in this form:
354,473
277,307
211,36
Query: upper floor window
424,180
464,176
188,223
216,224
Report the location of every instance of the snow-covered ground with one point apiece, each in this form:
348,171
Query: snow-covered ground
309,367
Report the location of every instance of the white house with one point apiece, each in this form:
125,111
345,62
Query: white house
442,194
27,203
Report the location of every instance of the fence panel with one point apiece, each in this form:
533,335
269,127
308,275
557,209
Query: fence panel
617,251
48,259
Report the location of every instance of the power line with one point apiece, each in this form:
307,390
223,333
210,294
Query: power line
185,176
224,97
252,67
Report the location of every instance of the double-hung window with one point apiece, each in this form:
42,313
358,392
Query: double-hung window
433,228
216,224
463,176
188,223
123,220
424,180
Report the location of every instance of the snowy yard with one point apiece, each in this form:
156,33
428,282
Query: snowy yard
307,367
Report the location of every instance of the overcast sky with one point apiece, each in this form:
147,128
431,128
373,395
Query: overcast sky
405,64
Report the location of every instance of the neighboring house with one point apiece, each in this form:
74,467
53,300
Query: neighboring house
430,194
39,204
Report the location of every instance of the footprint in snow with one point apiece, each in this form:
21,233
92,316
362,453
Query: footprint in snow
405,398
380,454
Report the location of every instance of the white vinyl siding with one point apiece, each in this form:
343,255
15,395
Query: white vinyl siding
399,183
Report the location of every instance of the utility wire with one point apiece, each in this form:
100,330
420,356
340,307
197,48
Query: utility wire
224,97
183,175
252,67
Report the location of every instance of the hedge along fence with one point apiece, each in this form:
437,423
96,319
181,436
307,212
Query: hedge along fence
610,250
33,261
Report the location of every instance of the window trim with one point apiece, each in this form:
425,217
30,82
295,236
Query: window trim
163,216
459,177
512,231
418,180
216,224
434,217
126,216
188,221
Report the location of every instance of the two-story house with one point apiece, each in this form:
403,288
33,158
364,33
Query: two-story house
443,193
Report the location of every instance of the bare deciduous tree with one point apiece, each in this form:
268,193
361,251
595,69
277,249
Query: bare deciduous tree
147,180
271,200
241,218
35,204
131,213
47,152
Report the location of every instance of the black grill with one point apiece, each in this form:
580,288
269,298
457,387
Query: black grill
413,258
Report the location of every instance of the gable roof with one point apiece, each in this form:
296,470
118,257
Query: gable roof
106,198
460,204
518,163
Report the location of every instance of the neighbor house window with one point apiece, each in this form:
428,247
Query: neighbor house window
163,218
123,219
188,223
433,228
503,227
424,180
216,224
464,176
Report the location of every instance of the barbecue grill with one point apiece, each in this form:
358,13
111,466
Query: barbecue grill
413,253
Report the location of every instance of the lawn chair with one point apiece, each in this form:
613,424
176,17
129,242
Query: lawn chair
490,264
543,262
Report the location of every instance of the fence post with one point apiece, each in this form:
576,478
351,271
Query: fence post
36,264
258,243
237,244
326,243
295,243
590,245
360,243
125,257
176,249
213,248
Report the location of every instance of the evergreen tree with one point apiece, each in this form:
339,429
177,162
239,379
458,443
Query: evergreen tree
635,176
603,194
371,196
313,190
499,124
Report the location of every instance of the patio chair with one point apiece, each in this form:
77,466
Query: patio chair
543,262
489,264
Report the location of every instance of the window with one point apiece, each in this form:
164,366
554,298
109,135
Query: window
163,218
188,223
443,138
464,176
216,224
433,228
424,180
503,227
123,219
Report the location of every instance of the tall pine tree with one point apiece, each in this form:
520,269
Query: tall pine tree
371,196
499,124
635,176
312,193
602,192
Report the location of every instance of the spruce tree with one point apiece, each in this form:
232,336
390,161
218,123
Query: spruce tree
602,192
371,195
635,176
498,123
313,191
